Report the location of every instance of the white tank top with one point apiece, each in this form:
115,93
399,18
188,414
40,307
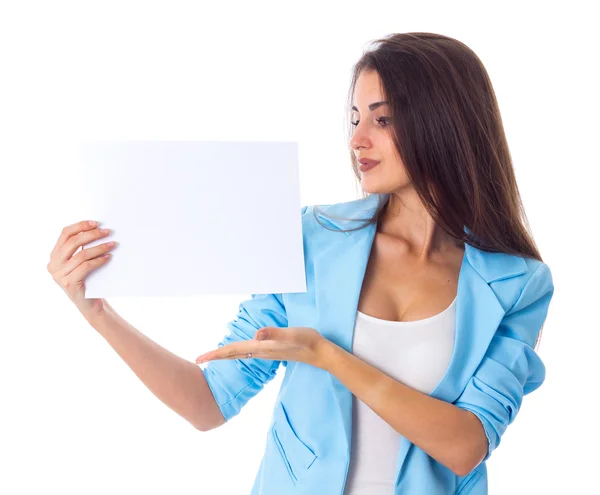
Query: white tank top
416,353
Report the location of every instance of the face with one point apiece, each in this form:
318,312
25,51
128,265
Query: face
372,137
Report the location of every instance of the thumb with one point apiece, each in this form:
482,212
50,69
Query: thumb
267,333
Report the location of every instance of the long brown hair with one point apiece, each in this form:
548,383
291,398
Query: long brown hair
448,132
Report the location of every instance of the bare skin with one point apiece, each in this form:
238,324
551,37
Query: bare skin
178,383
414,265
69,270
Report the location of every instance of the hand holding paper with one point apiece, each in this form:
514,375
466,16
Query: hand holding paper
69,270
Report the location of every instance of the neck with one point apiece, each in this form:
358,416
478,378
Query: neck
406,219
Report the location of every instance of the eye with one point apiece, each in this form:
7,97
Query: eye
383,121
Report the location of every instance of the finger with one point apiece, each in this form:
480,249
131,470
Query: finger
201,359
268,333
78,270
230,351
74,242
80,273
85,255
71,230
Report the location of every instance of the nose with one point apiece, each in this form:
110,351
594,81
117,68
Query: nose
360,138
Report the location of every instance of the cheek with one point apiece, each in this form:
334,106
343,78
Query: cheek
389,151
395,170
392,159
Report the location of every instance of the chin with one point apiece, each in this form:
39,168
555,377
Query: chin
376,187
371,188
372,185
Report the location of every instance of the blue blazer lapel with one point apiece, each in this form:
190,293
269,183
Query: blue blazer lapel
339,270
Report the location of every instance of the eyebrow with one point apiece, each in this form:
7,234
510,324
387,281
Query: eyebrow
373,106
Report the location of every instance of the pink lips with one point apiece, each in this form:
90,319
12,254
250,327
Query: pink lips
367,164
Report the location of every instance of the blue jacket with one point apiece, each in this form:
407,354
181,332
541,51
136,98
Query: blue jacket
502,302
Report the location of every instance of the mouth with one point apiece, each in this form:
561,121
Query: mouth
368,165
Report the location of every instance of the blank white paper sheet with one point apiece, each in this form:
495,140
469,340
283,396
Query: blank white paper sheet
194,217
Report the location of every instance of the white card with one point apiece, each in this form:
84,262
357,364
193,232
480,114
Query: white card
194,217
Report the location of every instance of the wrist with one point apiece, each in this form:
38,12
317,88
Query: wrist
97,312
327,351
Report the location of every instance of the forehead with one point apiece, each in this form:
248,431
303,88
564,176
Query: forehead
367,89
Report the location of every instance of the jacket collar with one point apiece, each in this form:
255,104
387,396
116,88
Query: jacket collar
491,266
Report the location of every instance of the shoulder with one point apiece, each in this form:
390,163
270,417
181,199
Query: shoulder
342,215
517,281
496,267
537,283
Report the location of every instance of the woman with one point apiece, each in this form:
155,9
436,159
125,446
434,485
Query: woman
410,352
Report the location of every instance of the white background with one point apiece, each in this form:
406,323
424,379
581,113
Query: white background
74,417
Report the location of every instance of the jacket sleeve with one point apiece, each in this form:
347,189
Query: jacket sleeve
511,368
233,382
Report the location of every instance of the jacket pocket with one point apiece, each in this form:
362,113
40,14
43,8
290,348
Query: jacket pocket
468,482
296,455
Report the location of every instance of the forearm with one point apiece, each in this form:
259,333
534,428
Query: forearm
178,383
452,436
